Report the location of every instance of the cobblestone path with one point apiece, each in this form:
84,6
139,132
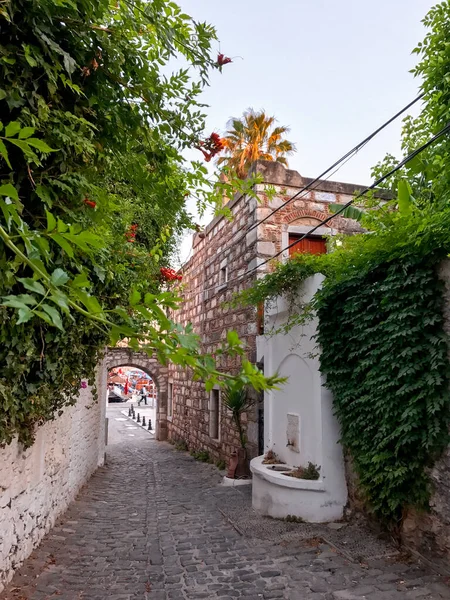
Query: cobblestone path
150,525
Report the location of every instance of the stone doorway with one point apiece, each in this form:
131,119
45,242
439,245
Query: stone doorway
124,357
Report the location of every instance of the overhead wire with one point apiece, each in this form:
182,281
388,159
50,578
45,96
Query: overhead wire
333,169
374,185
345,158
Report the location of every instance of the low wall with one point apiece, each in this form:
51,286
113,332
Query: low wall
37,484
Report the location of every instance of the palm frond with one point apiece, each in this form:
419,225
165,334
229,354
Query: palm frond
254,137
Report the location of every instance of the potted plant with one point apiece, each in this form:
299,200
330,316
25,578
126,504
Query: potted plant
236,399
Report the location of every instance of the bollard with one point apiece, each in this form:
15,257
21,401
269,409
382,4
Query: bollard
149,424
133,414
130,412
143,421
138,420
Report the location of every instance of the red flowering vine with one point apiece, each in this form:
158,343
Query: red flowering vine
223,60
211,146
130,235
170,274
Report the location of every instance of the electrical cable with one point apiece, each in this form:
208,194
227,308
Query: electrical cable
345,158
375,184
334,168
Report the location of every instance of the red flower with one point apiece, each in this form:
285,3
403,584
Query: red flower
223,60
90,203
211,146
170,274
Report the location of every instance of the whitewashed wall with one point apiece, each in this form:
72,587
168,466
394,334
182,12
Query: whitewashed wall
299,424
37,484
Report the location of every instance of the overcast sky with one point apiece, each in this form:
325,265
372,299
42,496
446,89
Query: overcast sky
330,70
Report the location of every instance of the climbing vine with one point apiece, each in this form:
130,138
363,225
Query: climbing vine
383,350
384,355
93,190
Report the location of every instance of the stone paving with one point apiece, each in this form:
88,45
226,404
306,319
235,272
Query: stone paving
153,524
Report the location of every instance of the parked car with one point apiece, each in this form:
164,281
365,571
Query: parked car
114,396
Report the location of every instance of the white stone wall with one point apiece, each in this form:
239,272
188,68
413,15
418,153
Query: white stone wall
299,424
37,484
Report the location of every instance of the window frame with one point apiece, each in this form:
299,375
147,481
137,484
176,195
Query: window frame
170,400
212,393
223,268
301,230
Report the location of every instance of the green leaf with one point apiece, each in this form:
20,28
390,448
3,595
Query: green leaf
40,145
62,227
51,221
404,198
24,146
233,338
90,302
58,238
20,301
53,313
59,277
84,239
61,300
44,316
25,314
12,129
135,297
4,153
32,285
351,212
44,194
26,132
9,190
81,281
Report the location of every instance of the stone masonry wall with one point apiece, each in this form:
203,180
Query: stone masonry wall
225,245
429,533
37,484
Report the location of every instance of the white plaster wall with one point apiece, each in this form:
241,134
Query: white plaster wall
37,484
295,355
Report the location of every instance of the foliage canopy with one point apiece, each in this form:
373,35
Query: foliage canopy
92,192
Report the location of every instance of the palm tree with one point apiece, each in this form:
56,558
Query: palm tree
252,137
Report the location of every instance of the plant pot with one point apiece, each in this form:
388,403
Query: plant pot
243,468
238,465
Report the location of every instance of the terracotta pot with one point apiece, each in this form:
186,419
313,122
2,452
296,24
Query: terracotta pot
238,466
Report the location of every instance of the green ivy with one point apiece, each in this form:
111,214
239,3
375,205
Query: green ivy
384,355
384,351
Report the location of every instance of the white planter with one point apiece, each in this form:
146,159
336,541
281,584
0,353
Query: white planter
229,482
277,495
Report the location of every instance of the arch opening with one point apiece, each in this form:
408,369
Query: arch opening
125,363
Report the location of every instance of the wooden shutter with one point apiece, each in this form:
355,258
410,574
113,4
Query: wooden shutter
308,245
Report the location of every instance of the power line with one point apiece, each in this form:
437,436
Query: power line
345,158
334,168
375,184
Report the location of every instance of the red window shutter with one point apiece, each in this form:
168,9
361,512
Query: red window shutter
260,318
308,245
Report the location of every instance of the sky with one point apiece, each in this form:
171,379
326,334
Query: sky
332,71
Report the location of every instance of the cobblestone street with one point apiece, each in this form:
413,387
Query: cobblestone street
154,524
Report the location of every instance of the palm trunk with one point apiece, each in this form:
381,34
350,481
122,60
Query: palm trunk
237,419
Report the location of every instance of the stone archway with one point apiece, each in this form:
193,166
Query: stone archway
121,357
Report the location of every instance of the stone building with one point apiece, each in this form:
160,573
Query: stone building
223,260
